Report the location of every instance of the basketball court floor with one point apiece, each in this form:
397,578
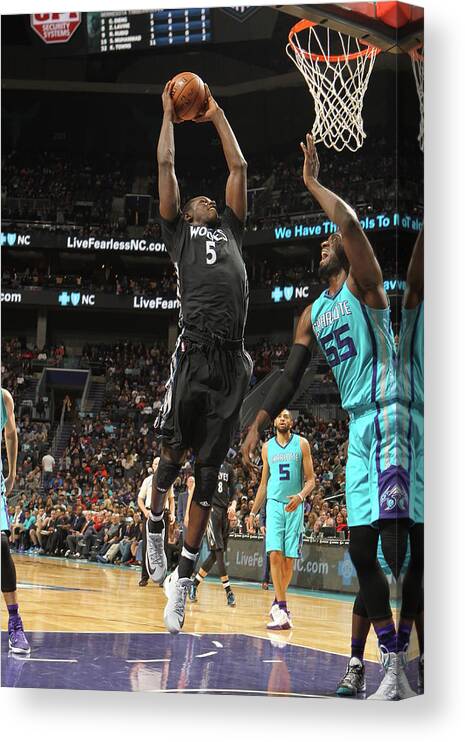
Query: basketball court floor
92,627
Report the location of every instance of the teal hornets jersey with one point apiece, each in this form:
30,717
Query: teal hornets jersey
358,344
3,419
410,369
286,470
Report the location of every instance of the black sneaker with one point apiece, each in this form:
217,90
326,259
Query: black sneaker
193,593
143,581
231,600
353,681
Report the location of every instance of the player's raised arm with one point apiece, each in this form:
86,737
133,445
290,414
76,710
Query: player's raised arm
365,270
285,386
11,441
415,275
236,186
168,188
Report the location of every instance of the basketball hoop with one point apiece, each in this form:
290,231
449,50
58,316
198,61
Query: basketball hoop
417,57
337,69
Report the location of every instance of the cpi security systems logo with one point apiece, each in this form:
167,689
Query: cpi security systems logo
11,239
75,298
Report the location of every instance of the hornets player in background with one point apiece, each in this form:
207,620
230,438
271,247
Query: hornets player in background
351,322
224,503
16,638
210,370
287,479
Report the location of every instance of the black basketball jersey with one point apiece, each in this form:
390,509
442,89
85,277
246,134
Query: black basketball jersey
226,487
212,279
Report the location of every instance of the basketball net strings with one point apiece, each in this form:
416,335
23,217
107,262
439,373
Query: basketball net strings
416,55
338,89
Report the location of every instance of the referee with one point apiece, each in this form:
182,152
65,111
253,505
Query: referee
143,501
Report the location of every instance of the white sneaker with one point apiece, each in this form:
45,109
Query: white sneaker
155,559
405,690
176,590
279,619
394,686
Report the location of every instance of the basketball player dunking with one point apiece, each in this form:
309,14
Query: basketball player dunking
210,369
287,479
351,322
17,641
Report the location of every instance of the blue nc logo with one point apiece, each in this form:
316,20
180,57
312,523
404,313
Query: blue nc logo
11,238
346,569
288,292
75,296
277,294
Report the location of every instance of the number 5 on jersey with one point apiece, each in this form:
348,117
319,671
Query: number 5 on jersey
211,252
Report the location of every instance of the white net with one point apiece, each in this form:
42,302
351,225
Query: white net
416,55
337,69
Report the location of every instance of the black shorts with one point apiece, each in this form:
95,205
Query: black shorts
218,529
203,399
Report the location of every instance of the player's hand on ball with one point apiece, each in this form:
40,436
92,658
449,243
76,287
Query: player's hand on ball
168,105
311,161
211,110
293,504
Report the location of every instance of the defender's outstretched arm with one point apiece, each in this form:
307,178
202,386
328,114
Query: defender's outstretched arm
285,386
168,188
364,266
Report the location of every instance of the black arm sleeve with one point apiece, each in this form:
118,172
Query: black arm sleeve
286,386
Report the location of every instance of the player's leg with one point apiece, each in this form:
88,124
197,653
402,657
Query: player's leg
210,435
201,574
168,469
230,598
17,638
178,584
353,681
412,588
274,542
144,575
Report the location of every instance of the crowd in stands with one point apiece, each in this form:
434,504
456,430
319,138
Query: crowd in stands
54,188
85,504
43,186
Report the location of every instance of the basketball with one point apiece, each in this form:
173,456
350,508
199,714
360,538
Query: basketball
189,95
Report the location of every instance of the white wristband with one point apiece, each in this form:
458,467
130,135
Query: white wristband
301,497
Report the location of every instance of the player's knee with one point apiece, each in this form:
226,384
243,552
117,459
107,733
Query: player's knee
394,537
275,557
417,547
166,474
359,606
206,478
362,558
8,568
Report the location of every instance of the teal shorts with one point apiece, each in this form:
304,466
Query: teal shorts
284,531
4,519
380,465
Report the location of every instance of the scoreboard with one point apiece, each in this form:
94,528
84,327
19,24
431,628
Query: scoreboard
126,30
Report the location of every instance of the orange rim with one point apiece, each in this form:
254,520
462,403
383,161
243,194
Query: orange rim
415,53
322,57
